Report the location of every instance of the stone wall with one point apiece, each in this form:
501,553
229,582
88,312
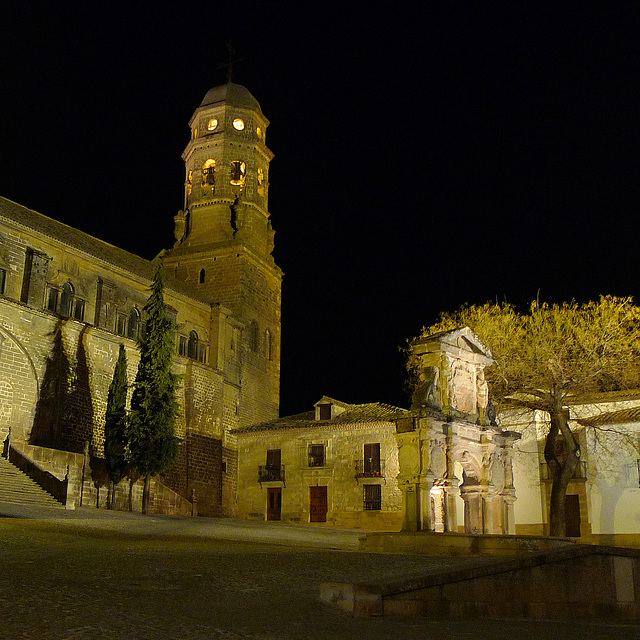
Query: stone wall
344,446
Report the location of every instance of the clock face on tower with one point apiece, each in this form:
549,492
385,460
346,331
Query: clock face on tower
212,124
238,124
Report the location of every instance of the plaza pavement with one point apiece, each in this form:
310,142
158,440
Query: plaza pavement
95,574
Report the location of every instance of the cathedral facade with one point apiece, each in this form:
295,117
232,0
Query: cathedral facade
68,300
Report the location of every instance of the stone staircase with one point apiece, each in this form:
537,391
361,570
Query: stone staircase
18,488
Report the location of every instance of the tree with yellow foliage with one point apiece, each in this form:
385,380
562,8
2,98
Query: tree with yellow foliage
550,356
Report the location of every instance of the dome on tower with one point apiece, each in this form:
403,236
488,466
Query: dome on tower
233,94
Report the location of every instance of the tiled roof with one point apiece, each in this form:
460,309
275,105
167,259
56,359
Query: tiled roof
81,241
607,396
356,413
613,417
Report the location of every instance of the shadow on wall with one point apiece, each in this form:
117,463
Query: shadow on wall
64,411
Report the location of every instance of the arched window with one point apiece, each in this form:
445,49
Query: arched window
202,276
133,327
66,300
254,337
238,172
192,345
209,173
189,185
268,345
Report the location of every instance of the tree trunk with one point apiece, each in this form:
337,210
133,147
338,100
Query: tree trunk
145,493
131,483
112,501
562,455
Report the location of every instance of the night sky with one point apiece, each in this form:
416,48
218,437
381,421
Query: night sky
423,159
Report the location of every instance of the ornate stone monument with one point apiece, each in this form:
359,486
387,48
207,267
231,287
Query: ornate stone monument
451,445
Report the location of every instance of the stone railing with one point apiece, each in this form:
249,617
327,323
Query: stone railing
59,489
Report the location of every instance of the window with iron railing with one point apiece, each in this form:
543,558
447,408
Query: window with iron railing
372,497
316,455
270,474
364,470
273,471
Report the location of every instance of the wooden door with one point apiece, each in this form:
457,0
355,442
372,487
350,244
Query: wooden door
318,504
274,503
572,516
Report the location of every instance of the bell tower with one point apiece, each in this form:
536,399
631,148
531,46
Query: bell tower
224,239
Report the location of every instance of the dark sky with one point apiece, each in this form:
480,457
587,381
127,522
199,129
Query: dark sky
423,159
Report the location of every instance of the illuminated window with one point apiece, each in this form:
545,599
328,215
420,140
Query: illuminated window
134,324
212,124
260,174
209,174
259,132
372,497
202,276
189,183
192,346
238,124
316,455
66,300
194,133
238,172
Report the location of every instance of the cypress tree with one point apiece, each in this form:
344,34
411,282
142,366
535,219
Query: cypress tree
153,446
115,425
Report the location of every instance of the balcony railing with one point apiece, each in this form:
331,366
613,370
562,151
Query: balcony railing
580,472
268,473
370,468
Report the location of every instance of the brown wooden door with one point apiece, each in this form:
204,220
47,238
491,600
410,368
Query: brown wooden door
274,503
318,504
572,516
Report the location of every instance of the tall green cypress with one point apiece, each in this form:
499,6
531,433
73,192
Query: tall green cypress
153,446
115,425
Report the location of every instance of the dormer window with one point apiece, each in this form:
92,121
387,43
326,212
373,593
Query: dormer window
324,412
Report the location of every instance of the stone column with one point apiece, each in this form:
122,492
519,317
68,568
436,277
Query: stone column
424,489
494,515
473,509
410,505
408,478
451,492
509,525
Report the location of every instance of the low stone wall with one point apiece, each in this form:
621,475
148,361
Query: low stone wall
128,497
584,582
457,544
631,540
59,464
370,520
88,485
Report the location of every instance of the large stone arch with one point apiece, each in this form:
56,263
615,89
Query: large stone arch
19,387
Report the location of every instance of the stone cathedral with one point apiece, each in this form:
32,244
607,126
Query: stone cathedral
68,300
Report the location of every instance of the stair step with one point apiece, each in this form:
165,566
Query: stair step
17,487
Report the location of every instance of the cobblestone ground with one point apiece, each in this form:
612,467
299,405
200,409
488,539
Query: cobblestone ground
65,586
